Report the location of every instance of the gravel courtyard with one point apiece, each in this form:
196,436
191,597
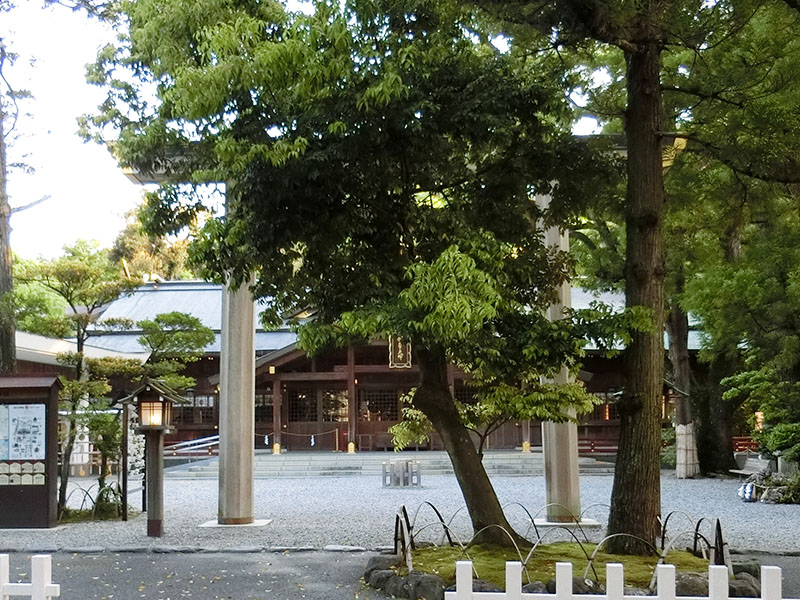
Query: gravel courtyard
357,511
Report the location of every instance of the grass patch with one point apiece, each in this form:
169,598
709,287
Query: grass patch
489,562
103,513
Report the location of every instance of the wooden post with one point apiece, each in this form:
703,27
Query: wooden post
277,402
124,467
526,435
236,406
41,586
464,580
560,440
352,400
154,451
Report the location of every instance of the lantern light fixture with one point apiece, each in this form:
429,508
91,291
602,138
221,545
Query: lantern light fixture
155,409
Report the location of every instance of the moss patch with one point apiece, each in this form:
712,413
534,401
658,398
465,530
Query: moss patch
102,513
489,562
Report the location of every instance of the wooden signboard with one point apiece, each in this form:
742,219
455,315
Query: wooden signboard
28,451
399,353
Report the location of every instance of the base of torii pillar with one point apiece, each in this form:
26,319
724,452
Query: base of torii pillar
236,407
562,486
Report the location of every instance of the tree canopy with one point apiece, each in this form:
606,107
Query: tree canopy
671,67
150,256
382,161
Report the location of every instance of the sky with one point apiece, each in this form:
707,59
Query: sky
89,193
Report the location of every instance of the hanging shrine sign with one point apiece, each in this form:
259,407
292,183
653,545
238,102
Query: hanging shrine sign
399,353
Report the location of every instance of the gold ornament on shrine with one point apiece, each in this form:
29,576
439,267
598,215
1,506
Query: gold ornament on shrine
399,353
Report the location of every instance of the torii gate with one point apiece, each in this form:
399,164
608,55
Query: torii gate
236,395
237,405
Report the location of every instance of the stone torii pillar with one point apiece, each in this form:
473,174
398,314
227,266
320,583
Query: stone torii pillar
560,440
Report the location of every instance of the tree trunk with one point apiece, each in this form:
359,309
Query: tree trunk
433,398
686,463
66,456
716,425
636,494
7,334
75,405
101,478
678,333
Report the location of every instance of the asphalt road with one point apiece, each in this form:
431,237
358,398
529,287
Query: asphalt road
213,576
790,569
244,576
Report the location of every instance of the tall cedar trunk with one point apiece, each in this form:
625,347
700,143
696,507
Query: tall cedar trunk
686,463
433,398
716,425
636,494
678,330
7,338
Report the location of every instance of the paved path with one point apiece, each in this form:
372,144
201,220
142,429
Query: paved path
126,576
241,576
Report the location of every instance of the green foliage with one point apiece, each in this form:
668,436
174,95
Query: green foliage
413,428
449,300
784,439
146,255
38,309
792,495
109,367
175,334
83,280
174,340
105,430
76,392
748,308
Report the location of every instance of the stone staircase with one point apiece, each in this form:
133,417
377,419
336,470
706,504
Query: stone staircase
331,464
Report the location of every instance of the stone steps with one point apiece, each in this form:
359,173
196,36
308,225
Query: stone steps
328,464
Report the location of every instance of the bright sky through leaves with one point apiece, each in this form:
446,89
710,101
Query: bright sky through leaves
89,194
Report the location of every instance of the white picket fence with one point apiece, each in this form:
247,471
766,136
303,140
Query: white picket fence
41,586
615,582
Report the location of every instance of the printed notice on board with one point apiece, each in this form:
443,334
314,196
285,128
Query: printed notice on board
3,432
26,431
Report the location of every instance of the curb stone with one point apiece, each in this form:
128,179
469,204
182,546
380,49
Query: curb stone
84,550
180,549
174,549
